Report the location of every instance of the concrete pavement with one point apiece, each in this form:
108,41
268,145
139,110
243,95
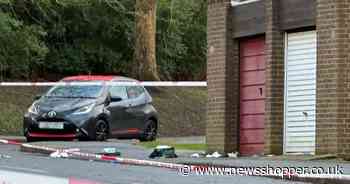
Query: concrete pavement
132,151
109,172
129,150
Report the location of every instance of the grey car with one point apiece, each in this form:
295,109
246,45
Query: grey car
95,111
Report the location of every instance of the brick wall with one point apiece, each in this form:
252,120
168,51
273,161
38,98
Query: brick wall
274,80
333,76
223,78
333,67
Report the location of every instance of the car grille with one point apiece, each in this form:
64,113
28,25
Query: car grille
51,119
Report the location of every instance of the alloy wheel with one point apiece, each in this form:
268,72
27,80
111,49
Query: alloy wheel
101,131
151,131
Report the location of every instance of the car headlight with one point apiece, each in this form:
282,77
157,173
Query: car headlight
34,108
85,109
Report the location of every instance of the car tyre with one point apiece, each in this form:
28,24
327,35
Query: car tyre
101,131
150,132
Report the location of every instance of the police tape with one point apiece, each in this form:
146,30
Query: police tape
116,83
97,157
3,141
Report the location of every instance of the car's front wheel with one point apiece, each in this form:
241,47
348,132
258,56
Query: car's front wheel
102,130
150,132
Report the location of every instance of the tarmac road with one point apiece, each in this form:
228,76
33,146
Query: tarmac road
109,172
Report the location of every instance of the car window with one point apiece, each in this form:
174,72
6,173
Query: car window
135,91
75,91
118,91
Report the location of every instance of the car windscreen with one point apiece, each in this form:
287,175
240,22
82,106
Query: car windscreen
75,91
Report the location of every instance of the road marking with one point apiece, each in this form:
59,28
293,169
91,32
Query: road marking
24,169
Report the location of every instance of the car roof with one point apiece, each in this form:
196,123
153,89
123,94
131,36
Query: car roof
107,78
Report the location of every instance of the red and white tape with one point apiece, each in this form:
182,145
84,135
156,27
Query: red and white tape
91,156
147,84
3,141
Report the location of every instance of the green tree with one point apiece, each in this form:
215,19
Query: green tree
181,39
21,47
54,38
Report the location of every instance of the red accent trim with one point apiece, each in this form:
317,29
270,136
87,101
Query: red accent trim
128,131
133,130
46,135
89,78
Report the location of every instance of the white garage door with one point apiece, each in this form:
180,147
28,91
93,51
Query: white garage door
300,92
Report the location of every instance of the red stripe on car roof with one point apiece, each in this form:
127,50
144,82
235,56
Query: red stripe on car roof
90,78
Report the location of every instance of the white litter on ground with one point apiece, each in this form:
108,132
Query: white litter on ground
195,155
5,156
63,153
233,155
198,155
214,155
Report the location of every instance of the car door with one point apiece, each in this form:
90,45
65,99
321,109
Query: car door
137,98
120,115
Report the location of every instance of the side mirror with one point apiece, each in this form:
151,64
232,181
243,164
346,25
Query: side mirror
116,99
37,97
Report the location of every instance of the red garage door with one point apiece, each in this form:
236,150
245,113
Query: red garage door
252,95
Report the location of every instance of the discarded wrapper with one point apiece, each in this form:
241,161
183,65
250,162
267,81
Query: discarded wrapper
195,155
214,155
233,155
198,155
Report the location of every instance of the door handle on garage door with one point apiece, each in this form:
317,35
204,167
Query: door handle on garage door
305,114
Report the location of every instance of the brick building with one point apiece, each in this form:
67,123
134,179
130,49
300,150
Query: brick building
278,76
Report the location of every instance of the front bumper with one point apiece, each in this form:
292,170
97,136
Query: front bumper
71,129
